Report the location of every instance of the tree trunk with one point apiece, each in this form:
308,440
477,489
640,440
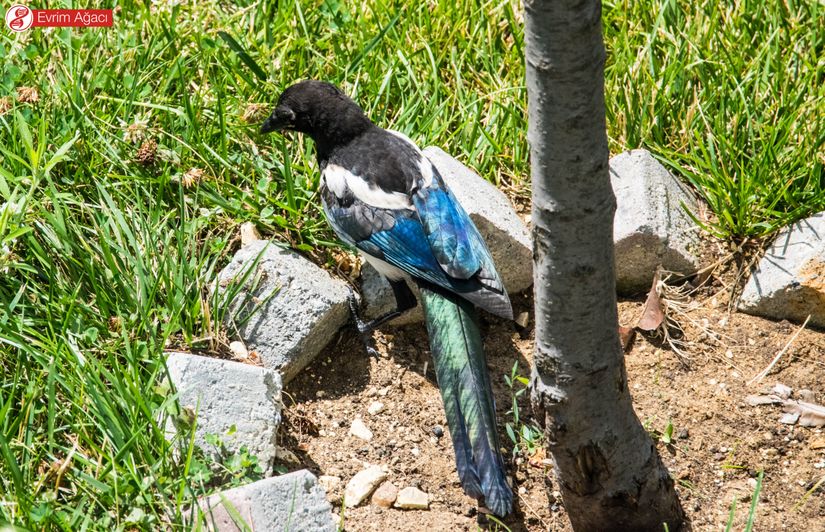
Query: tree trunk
610,474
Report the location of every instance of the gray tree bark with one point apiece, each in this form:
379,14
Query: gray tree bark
610,475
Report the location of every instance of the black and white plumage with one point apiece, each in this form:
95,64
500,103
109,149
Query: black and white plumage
382,196
380,193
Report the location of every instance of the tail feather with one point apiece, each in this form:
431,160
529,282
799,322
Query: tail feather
461,369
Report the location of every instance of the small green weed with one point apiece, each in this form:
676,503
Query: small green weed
526,437
752,512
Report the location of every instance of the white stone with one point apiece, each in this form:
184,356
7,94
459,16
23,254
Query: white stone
360,430
248,234
789,281
224,394
294,308
287,502
376,407
412,498
650,226
362,485
238,350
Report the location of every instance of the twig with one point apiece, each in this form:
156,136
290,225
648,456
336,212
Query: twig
761,375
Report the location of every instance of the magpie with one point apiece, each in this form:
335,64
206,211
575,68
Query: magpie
383,197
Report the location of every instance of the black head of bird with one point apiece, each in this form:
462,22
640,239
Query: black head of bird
320,110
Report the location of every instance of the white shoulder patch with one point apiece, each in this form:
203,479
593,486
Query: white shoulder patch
338,180
334,178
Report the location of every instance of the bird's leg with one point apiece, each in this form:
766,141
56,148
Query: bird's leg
404,301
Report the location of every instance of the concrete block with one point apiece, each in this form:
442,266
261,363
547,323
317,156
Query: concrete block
293,502
225,393
650,226
294,308
789,281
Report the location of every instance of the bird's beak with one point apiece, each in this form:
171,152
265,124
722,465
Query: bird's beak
281,118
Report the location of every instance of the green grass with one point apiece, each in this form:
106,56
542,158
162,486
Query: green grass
731,96
104,260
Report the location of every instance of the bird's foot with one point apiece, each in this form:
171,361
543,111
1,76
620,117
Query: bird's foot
365,328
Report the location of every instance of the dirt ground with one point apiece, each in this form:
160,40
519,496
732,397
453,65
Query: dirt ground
719,442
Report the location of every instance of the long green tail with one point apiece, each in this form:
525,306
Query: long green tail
461,369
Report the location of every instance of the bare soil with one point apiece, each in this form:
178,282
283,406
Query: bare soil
719,443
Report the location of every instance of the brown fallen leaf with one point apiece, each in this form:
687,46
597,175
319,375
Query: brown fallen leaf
626,336
653,316
537,460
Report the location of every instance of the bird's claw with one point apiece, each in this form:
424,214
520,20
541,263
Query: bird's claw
364,328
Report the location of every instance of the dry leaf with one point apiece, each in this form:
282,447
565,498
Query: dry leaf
653,316
626,336
756,400
537,460
810,414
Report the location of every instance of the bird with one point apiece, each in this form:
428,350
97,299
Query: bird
383,197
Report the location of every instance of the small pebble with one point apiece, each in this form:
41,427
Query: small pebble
411,498
239,350
415,451
360,430
363,484
385,495
375,407
438,431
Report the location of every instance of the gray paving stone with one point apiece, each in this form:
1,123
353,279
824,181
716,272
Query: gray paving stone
650,226
224,393
506,235
292,502
294,307
789,281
